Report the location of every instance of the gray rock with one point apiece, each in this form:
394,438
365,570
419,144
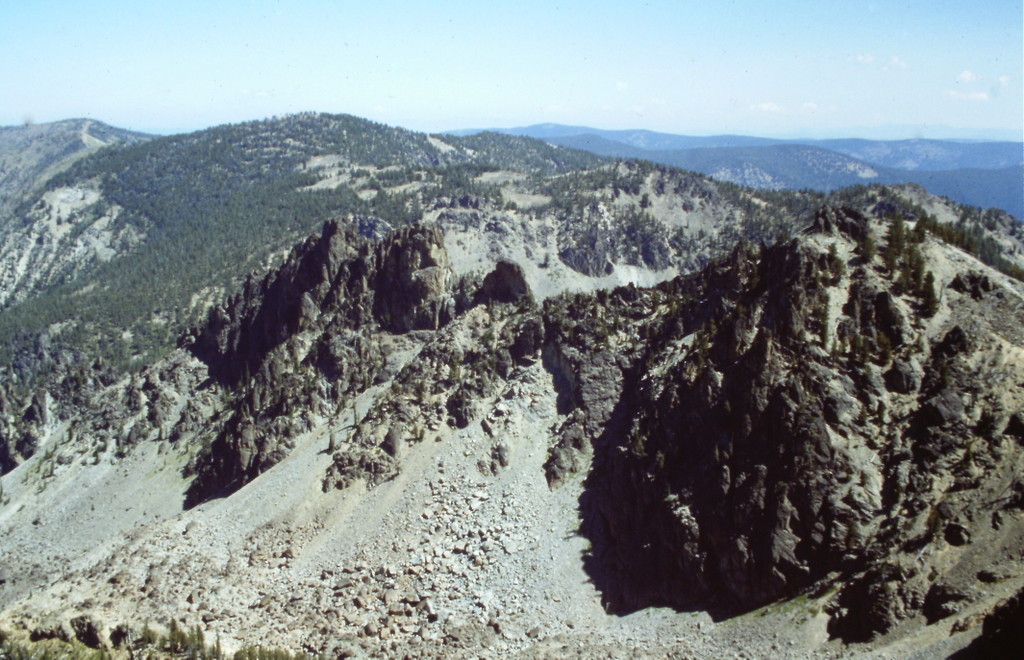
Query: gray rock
903,377
943,601
87,631
957,534
394,442
506,283
945,407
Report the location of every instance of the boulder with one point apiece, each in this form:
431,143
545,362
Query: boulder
394,442
505,284
903,377
87,631
944,408
943,601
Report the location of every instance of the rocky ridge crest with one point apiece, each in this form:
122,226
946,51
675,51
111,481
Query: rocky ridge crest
808,419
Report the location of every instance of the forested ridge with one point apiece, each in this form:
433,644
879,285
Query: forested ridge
213,206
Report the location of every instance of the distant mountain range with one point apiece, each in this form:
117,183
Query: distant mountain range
985,174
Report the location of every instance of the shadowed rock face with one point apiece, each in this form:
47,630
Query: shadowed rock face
344,293
320,329
727,484
741,460
506,283
239,333
400,284
411,281
1002,632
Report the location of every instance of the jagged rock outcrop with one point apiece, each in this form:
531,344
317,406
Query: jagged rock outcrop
307,335
506,283
411,281
587,373
721,482
456,368
320,330
786,423
26,421
401,284
20,430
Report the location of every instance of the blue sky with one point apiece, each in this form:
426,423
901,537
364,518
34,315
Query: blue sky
834,68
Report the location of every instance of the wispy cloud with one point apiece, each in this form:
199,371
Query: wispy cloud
768,107
967,76
967,96
893,62
805,108
1004,81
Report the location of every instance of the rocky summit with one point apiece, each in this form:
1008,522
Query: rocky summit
810,448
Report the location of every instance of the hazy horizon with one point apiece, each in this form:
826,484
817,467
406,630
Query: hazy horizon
787,69
882,133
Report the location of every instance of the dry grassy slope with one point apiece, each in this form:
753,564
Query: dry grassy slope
444,559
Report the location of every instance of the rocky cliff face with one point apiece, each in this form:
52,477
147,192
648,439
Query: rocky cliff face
399,284
310,335
794,424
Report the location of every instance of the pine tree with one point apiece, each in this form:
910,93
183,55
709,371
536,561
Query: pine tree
820,315
929,300
897,243
866,248
835,264
913,263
